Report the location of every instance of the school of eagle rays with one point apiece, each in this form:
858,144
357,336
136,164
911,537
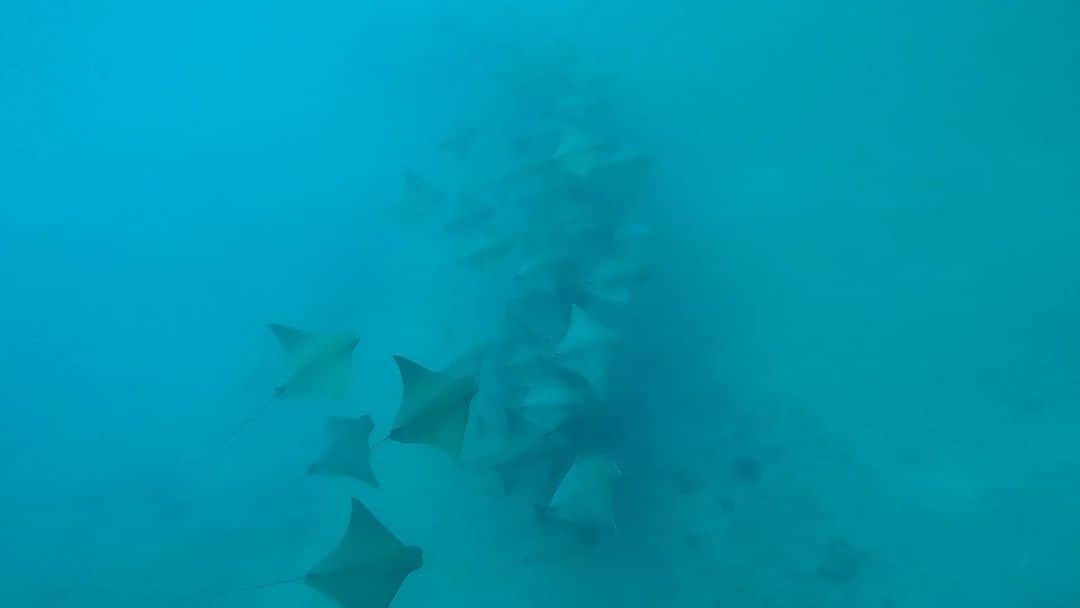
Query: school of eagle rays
564,232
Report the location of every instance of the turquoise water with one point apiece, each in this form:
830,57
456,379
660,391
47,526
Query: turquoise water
848,380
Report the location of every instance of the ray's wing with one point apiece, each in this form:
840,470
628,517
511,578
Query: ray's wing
584,498
367,567
320,365
290,337
296,343
434,407
348,450
442,428
418,386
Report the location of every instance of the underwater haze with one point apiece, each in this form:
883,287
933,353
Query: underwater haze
717,304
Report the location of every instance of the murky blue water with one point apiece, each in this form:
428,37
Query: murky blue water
849,378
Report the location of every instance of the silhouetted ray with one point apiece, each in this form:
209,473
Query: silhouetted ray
365,570
585,497
576,154
367,567
348,450
434,407
319,364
